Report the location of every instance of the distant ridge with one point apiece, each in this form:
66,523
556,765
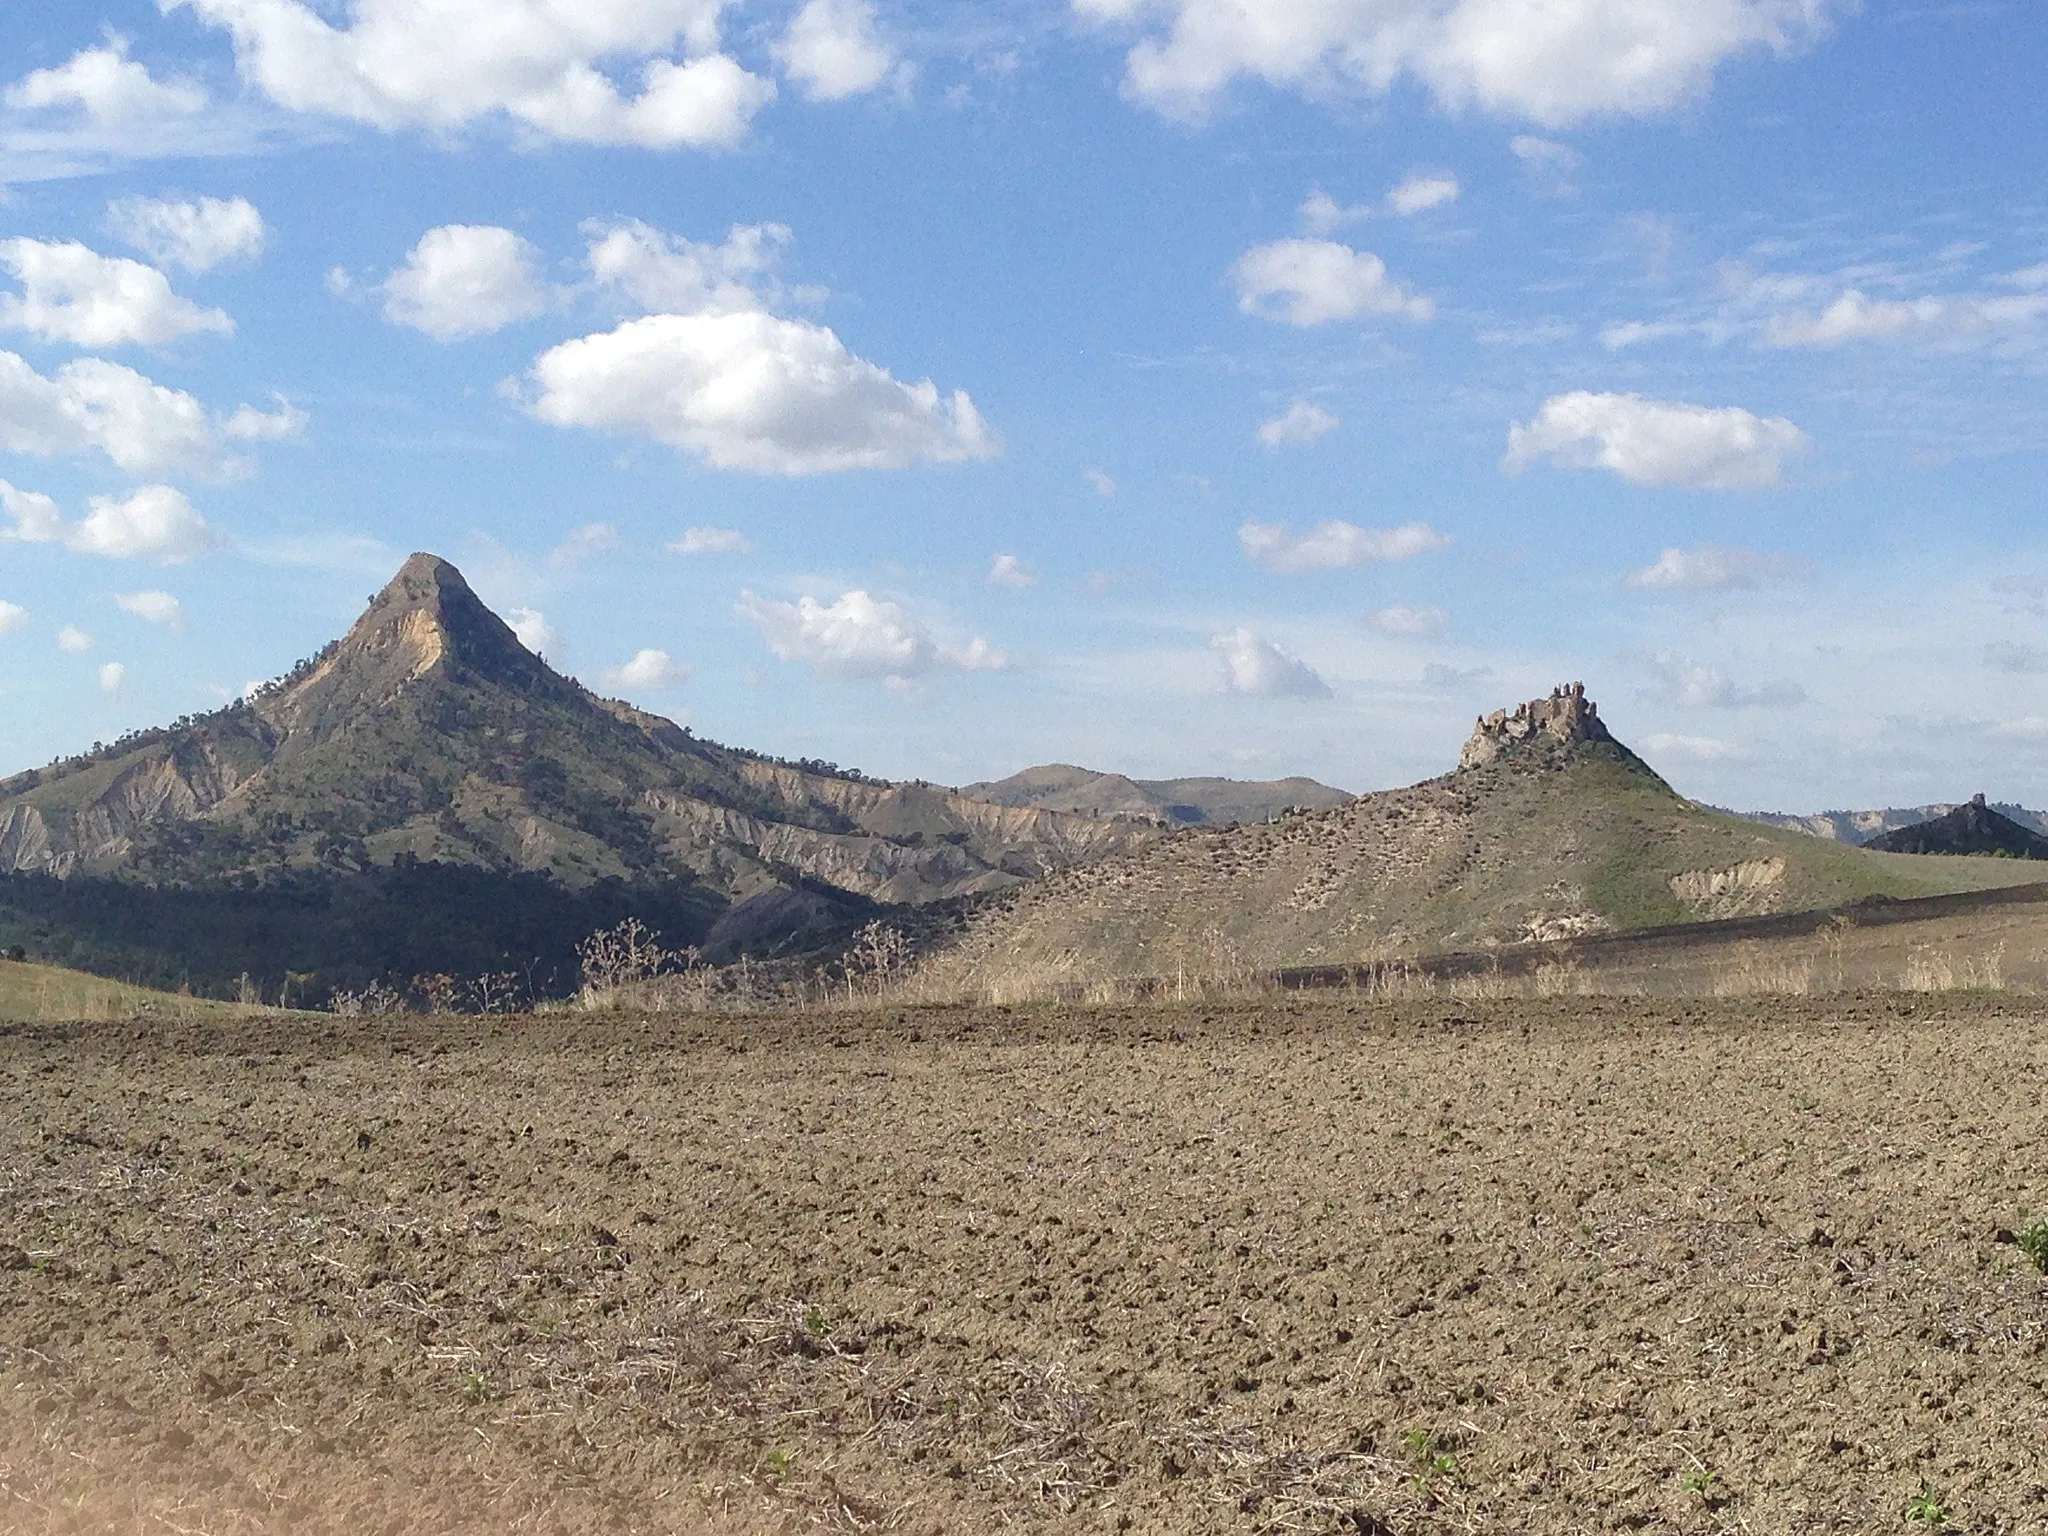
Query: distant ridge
1973,828
1861,826
1196,802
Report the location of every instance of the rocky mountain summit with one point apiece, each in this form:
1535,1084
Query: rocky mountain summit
1565,719
429,736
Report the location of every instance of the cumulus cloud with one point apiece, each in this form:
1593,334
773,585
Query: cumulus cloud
74,640
1255,665
534,631
1009,571
1404,620
109,87
861,636
195,236
647,669
446,64
832,52
712,541
155,523
1553,64
1302,422
1322,214
465,280
71,293
1712,568
1311,282
1545,157
112,675
1334,544
1690,685
1104,486
657,270
91,404
1656,442
13,618
716,373
1422,192
584,544
152,608
753,391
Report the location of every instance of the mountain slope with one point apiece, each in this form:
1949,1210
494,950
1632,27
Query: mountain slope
1207,802
431,735
1549,829
1863,827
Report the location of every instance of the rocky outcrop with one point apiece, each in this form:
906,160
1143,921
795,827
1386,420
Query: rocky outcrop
1566,718
1968,829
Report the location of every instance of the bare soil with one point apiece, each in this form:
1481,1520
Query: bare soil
1311,1265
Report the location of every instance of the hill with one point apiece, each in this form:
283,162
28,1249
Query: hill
1549,828
430,738
1974,828
1199,802
1861,827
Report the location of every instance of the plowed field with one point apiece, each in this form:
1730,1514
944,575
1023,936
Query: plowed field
1323,1266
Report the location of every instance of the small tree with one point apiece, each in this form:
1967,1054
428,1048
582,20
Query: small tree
615,958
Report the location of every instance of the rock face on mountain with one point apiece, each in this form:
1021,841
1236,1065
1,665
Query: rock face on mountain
430,734
1970,828
1550,829
1198,802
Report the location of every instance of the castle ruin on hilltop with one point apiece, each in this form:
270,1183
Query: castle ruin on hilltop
1567,717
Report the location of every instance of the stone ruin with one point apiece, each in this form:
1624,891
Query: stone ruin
1566,717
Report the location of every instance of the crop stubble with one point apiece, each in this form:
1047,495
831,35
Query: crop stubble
1552,1265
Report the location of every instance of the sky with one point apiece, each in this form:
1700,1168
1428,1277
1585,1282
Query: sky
1253,387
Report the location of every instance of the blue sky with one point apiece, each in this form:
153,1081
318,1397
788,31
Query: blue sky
1170,386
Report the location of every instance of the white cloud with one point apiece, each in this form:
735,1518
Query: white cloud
251,425
112,675
13,618
1104,486
1656,442
1545,155
667,273
583,544
445,64
1712,568
861,636
712,541
1693,749
647,669
155,522
152,608
465,280
90,403
831,50
1009,571
1303,422
71,293
1309,282
1404,620
1421,192
1693,686
1334,544
753,391
196,236
1951,320
1254,665
1555,63
534,631
2005,656
111,88
74,640
1322,214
